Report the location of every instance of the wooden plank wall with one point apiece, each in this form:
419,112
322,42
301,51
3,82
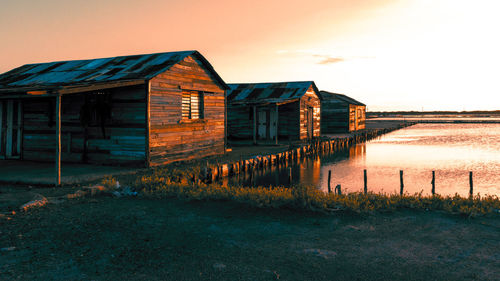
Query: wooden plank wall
173,138
239,122
360,117
352,118
340,117
310,99
124,142
334,116
288,121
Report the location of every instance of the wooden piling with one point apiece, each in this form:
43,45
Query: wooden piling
471,189
290,175
329,180
338,189
252,176
433,182
365,178
401,182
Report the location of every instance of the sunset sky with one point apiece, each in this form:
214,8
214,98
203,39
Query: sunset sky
391,55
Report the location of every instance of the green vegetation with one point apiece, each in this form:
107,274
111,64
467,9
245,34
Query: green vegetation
310,198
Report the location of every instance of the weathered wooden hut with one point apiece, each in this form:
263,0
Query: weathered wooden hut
273,111
142,110
340,113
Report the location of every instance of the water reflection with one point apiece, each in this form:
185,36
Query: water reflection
452,150
307,170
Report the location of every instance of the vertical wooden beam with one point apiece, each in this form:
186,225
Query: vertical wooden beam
58,140
8,133
148,123
1,126
225,121
276,127
254,124
19,128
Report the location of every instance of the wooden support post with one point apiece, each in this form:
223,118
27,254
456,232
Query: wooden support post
9,129
365,190
290,175
1,126
276,126
225,117
471,190
401,182
58,140
19,127
329,180
433,183
254,124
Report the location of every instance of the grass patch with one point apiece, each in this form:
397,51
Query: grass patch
309,198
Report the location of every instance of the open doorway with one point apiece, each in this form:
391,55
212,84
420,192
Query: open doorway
10,129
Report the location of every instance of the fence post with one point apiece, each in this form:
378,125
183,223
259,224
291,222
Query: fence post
433,183
401,182
329,179
338,189
366,181
471,190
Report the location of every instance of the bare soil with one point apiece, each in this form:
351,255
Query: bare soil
139,238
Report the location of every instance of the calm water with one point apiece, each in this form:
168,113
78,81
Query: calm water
452,150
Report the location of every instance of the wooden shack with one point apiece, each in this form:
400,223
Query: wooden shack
133,110
268,112
341,114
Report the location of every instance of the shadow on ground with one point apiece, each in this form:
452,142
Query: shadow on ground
169,239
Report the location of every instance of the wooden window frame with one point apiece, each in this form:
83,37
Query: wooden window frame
193,105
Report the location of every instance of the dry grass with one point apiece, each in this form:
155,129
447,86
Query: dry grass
310,198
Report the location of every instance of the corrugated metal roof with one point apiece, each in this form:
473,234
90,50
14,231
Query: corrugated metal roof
92,71
340,97
268,92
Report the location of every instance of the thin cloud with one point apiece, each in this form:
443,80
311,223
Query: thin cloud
330,60
324,58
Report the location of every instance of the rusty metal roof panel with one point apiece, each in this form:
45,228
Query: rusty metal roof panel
101,70
268,92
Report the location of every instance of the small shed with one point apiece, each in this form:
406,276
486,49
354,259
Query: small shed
340,113
140,110
273,111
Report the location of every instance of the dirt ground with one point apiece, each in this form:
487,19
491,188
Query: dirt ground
138,238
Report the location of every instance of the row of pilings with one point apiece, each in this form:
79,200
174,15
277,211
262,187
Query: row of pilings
320,146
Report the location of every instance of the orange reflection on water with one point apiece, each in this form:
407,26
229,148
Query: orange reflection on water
451,150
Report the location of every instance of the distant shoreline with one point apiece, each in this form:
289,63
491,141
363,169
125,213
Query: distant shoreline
443,117
476,113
